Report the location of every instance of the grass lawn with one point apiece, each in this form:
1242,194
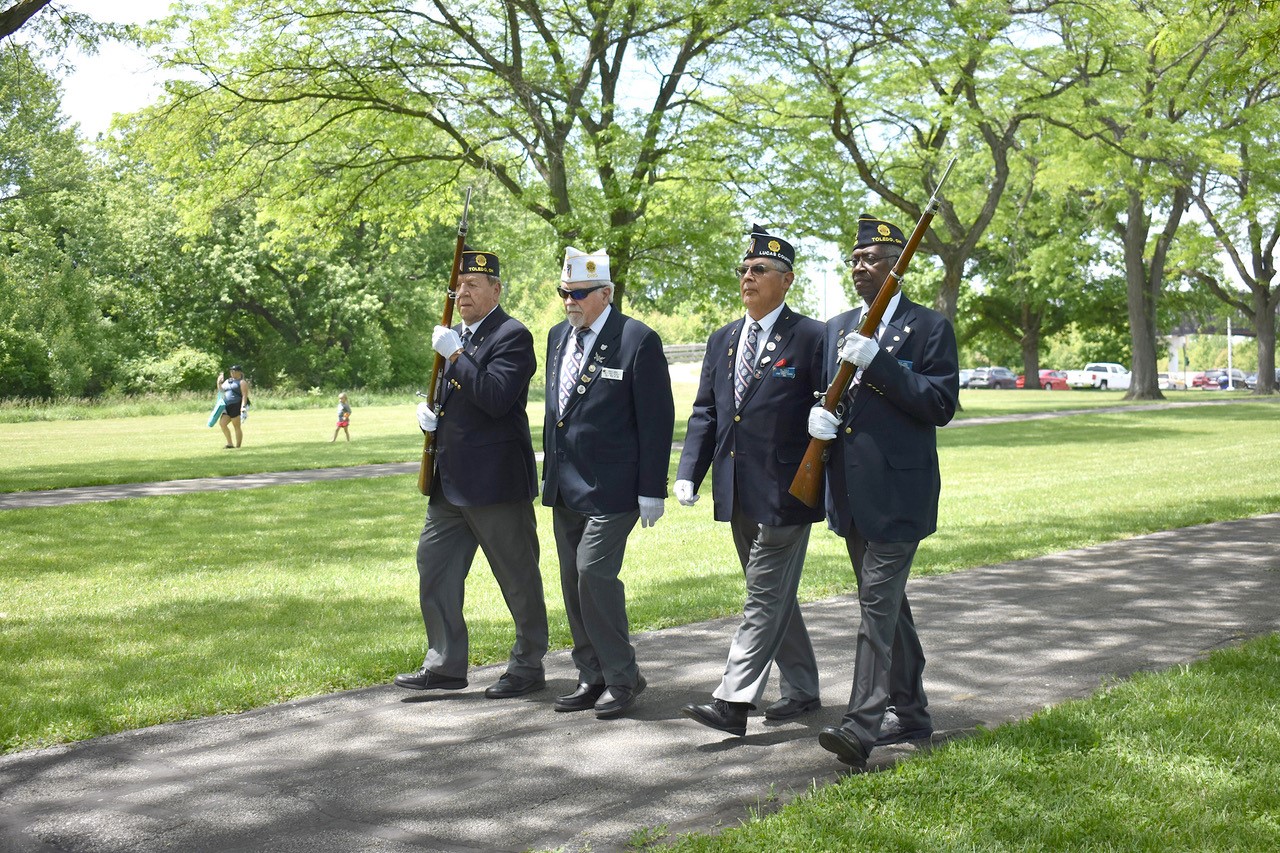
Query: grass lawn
1179,760
59,454
124,614
171,441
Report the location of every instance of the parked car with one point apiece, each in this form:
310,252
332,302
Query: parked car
1171,382
1050,380
1252,379
992,377
1100,374
1221,377
965,373
1198,380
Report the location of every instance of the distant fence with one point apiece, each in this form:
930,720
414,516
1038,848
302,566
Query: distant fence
681,353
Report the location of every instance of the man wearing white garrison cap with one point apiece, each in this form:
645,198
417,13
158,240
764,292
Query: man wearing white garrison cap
607,446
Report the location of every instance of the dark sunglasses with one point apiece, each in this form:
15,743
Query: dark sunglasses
754,269
867,260
579,294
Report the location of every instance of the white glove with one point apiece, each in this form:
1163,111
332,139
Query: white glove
858,350
426,418
651,510
823,424
445,341
685,493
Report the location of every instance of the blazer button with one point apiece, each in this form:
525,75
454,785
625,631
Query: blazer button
737,418
848,430
730,454
560,424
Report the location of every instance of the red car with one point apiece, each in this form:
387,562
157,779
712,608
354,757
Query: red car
1050,380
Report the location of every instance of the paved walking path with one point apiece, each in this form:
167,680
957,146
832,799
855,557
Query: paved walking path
87,494
388,770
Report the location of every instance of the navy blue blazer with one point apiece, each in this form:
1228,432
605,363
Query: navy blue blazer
756,449
613,443
882,471
484,452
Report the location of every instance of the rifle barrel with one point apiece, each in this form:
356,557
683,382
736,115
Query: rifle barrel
807,484
426,467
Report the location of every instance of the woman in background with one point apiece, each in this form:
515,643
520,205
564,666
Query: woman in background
235,393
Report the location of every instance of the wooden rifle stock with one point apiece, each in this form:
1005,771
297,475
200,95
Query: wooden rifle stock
427,467
806,487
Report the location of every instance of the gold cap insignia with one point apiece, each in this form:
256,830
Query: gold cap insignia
775,246
883,229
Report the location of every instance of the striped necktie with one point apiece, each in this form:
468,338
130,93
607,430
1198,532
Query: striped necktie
747,365
570,376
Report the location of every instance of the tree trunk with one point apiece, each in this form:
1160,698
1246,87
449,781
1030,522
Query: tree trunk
1264,321
1030,350
949,292
1141,288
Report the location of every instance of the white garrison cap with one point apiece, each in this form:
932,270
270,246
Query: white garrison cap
580,266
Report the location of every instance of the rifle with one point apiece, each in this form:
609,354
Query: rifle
807,484
427,466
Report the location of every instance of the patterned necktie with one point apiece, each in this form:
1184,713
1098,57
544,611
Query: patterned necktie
747,365
570,376
466,340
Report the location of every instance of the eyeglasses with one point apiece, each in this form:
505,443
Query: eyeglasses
867,260
462,285
580,293
754,269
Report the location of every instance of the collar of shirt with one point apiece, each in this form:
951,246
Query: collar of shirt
767,322
888,313
593,332
479,323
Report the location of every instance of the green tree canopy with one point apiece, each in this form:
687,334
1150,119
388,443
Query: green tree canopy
357,111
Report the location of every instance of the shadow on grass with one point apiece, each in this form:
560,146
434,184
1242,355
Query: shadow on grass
202,604
351,772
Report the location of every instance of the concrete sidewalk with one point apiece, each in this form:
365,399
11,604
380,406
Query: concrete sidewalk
121,491
384,769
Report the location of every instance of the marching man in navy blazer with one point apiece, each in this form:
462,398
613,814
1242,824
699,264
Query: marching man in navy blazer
607,443
882,488
758,381
482,489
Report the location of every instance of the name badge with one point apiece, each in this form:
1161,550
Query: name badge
784,372
611,372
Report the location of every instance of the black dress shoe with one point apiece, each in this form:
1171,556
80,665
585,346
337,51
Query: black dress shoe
728,717
789,709
891,732
510,686
582,699
425,679
846,747
616,698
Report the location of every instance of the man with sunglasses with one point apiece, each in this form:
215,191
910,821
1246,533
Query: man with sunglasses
882,488
758,381
607,446
482,488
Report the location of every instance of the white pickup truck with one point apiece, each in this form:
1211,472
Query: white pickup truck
1100,374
